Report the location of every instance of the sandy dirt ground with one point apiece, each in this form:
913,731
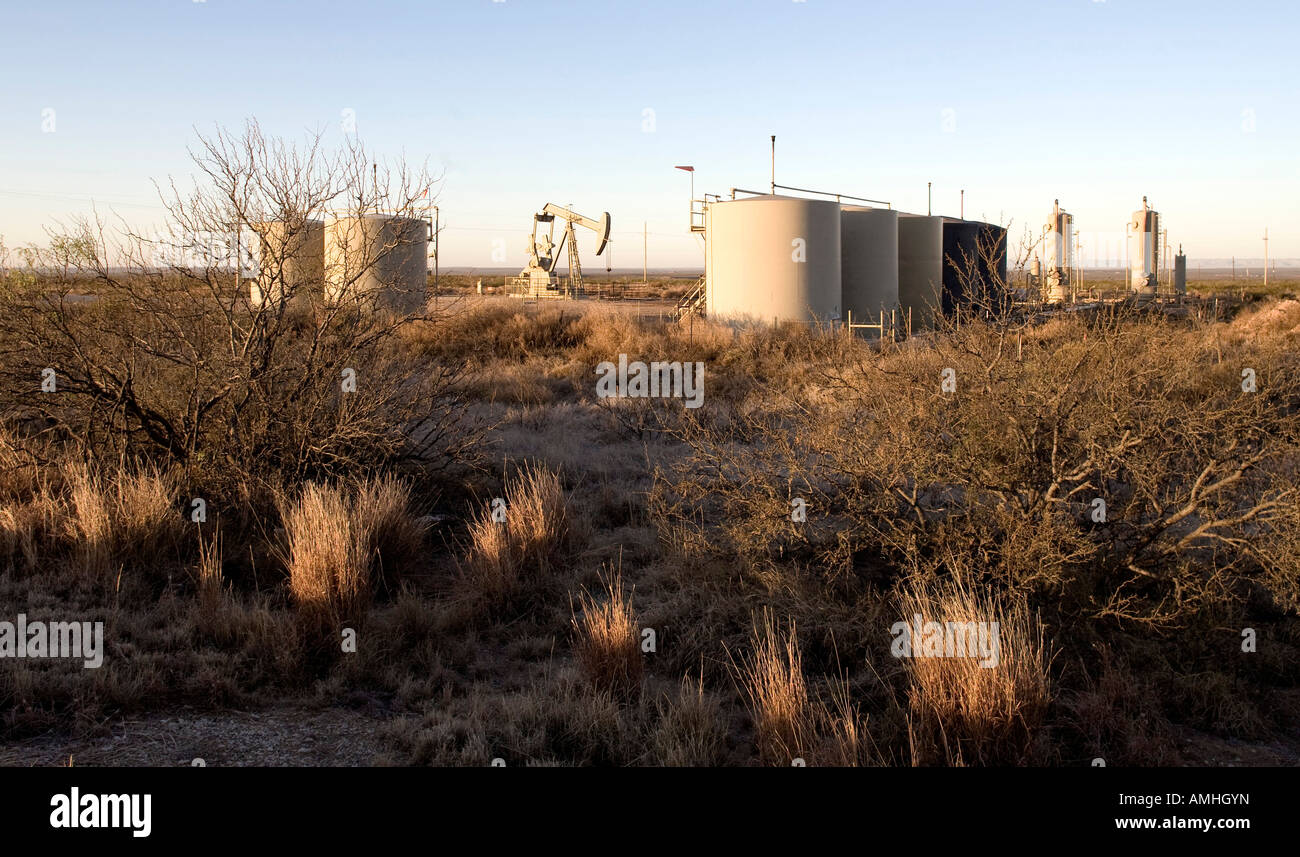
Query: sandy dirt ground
278,737
340,737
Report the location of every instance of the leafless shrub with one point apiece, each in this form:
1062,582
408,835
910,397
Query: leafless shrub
171,361
1007,470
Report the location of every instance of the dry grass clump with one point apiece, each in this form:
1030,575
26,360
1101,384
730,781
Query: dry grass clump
337,541
536,530
21,526
690,731
382,510
131,518
845,741
790,721
210,581
607,639
772,680
960,711
28,523
329,565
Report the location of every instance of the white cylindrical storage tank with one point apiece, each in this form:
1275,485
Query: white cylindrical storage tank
773,258
920,267
868,262
378,260
1143,250
290,260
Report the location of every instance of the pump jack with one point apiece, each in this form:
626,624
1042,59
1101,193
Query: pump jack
542,254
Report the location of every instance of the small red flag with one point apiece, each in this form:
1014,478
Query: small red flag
688,169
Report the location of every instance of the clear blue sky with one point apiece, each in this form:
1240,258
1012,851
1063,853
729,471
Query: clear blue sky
1195,104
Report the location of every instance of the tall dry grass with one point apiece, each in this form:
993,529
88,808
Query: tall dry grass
962,713
607,639
336,538
131,518
32,511
790,720
536,531
772,680
382,510
210,581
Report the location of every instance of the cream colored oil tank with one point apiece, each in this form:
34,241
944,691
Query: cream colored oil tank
773,258
291,261
920,267
868,262
1143,250
378,261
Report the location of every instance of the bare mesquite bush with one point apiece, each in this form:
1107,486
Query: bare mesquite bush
1006,470
148,345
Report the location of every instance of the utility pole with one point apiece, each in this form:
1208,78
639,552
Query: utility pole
436,247
645,252
1078,267
929,209
963,203
1266,257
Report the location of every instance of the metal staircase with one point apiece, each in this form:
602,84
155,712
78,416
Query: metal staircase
692,302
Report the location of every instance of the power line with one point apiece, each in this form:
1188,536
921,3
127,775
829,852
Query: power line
82,199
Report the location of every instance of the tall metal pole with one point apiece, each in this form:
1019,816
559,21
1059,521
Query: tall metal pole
1266,257
1128,265
1077,280
437,242
929,209
645,252
773,165
963,204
